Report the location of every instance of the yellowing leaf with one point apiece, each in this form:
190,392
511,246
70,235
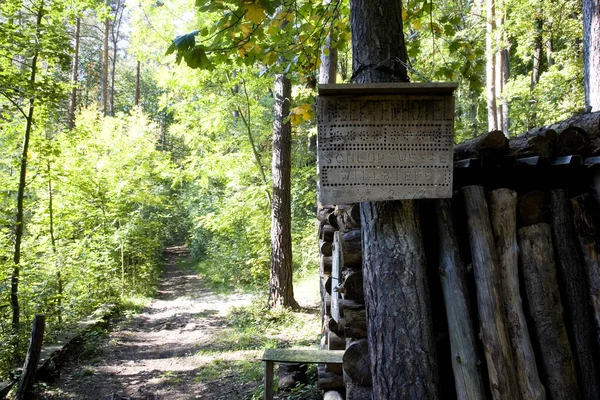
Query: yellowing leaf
303,112
255,13
416,24
295,119
404,14
246,28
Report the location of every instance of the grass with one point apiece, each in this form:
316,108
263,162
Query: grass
234,353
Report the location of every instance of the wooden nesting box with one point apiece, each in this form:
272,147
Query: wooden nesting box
385,141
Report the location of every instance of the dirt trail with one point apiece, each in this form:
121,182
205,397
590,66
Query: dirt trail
155,354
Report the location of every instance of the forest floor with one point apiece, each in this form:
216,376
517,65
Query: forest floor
181,346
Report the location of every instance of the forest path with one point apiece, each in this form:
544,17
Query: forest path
160,353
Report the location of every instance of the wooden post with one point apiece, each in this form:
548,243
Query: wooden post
541,286
503,214
586,234
572,278
268,380
465,363
32,358
494,334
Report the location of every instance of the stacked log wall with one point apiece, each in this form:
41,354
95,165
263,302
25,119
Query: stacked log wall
513,265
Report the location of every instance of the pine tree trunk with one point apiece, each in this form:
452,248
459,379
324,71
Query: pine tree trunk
20,217
104,83
281,288
74,76
490,68
591,53
401,346
399,323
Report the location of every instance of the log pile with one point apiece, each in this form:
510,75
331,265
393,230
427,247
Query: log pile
343,309
514,271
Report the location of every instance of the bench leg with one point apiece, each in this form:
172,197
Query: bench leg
268,380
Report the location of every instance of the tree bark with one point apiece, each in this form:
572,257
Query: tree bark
503,214
281,291
494,333
541,286
104,80
32,358
397,302
586,235
465,362
572,278
591,54
402,349
328,67
531,146
489,144
589,122
20,217
490,66
537,51
74,76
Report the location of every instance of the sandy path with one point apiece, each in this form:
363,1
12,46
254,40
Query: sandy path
155,355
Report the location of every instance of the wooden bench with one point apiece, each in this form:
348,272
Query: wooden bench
271,356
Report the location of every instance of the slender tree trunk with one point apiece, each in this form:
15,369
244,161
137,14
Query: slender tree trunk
74,76
20,217
537,53
401,345
328,68
281,288
501,70
138,70
115,33
53,242
490,69
591,53
104,83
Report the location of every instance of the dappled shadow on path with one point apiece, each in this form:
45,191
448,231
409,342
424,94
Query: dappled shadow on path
160,353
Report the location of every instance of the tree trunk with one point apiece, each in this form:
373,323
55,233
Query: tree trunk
586,234
494,333
20,217
465,362
328,68
572,278
281,288
138,71
402,349
74,76
502,72
397,301
537,52
115,33
490,66
591,54
104,80
32,358
541,286
503,214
